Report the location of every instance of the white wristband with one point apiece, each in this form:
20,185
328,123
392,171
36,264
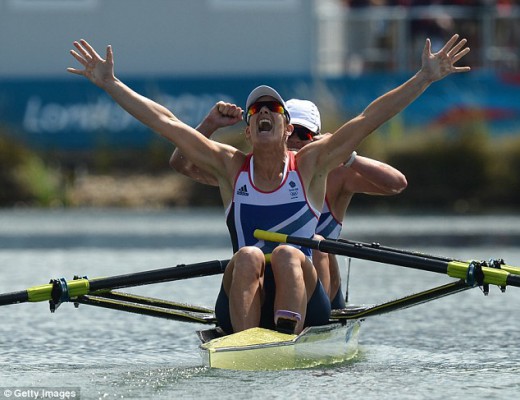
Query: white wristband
349,162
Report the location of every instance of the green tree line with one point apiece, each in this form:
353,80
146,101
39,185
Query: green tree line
457,170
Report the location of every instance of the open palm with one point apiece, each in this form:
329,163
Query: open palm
97,70
440,64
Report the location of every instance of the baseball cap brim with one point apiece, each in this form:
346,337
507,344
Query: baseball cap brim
307,124
261,91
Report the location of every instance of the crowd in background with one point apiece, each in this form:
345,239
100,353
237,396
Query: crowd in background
492,28
411,3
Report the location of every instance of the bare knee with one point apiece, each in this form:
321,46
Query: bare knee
289,263
249,261
286,257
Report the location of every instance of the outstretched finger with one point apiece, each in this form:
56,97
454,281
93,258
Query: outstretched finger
449,43
461,69
90,49
75,71
80,59
82,50
110,55
459,55
457,48
427,51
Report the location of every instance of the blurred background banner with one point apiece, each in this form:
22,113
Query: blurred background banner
190,54
74,115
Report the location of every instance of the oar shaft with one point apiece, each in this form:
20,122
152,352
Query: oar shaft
150,301
14,297
357,250
403,302
509,268
503,276
382,256
181,271
394,250
513,280
146,309
83,286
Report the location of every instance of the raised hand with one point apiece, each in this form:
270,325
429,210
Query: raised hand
221,115
97,70
438,65
225,114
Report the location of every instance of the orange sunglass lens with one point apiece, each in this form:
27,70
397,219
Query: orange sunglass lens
273,106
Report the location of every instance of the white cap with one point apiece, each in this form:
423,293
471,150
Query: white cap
264,90
261,91
304,113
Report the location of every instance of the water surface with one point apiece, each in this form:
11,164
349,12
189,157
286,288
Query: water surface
461,346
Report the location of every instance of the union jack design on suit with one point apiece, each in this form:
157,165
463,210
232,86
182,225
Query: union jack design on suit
285,209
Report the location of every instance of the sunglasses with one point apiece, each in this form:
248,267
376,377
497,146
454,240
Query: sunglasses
303,133
273,106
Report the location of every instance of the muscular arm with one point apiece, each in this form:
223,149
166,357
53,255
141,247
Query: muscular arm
363,176
221,115
210,156
369,176
331,150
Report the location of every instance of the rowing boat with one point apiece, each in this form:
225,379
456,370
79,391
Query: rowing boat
264,349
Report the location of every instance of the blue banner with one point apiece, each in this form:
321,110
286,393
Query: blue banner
72,114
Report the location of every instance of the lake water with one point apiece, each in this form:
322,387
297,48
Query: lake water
462,346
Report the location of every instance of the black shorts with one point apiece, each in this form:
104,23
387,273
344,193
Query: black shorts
318,307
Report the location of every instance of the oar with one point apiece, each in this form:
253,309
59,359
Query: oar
150,301
60,290
356,312
376,245
473,272
149,306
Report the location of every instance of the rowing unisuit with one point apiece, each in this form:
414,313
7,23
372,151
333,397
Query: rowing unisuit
285,209
328,225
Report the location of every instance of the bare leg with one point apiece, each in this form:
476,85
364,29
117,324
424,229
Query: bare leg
295,278
321,263
335,276
243,282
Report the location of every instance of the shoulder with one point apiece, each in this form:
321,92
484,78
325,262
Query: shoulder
231,162
240,159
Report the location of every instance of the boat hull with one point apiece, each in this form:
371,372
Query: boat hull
263,349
